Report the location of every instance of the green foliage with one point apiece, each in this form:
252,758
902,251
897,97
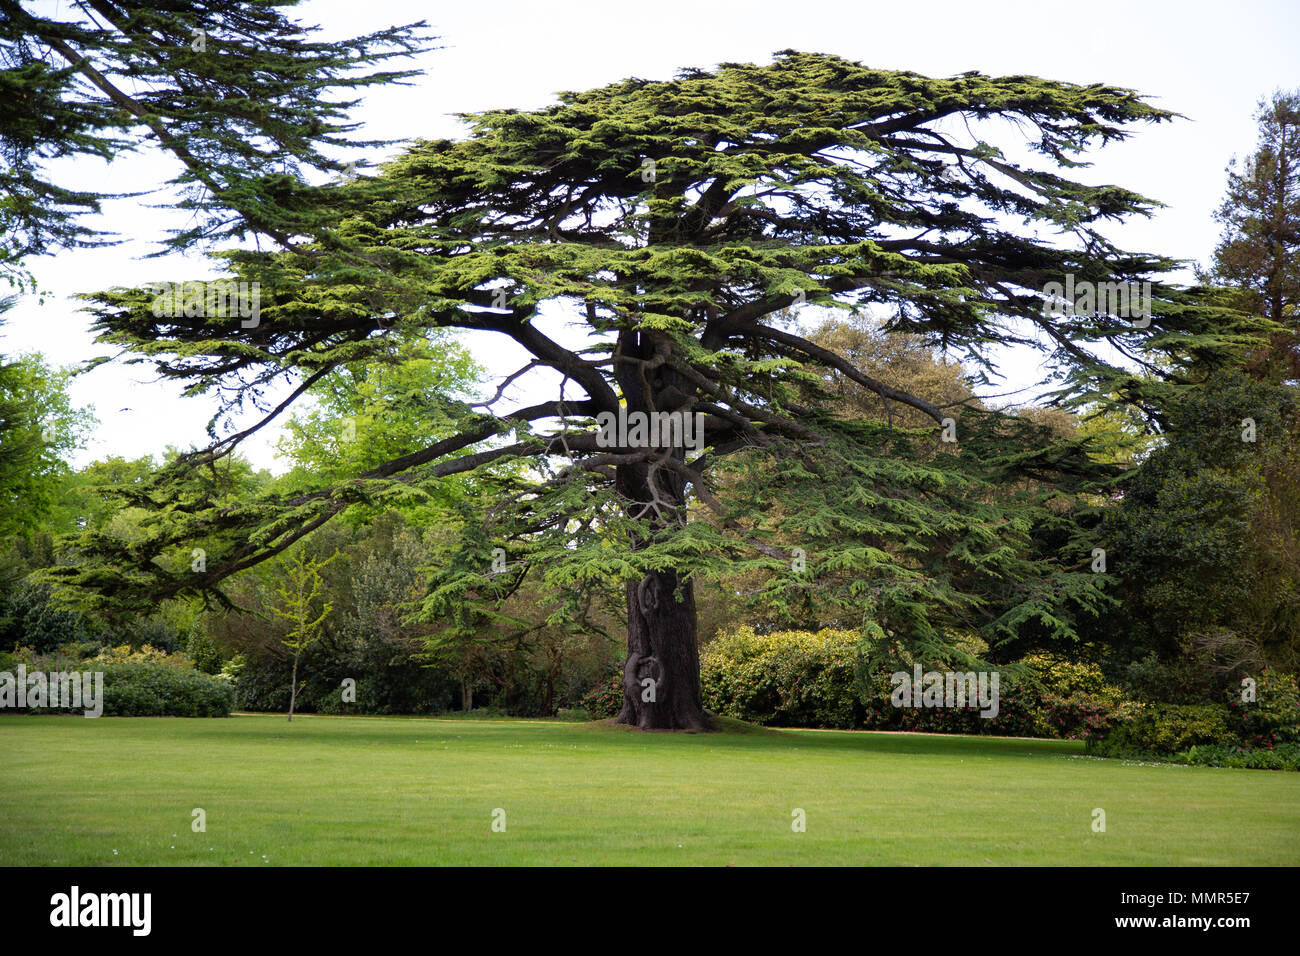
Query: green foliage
30,615
244,97
299,591
157,690
368,414
787,679
207,656
1204,541
1258,254
1281,757
93,496
38,427
605,699
1273,717
1168,729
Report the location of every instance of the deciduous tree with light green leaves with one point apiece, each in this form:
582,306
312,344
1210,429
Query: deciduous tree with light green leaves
677,223
39,426
300,596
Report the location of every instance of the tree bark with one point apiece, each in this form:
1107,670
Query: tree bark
661,676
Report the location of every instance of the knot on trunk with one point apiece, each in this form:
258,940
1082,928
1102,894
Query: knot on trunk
637,671
647,593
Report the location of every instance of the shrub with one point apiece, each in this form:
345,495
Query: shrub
1085,716
150,689
159,690
1284,756
786,678
1168,729
605,700
148,654
205,653
1019,714
1272,718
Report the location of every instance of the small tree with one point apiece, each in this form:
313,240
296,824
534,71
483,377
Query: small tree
299,593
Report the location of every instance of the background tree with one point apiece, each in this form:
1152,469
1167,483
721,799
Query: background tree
365,415
39,425
1206,544
678,221
1258,255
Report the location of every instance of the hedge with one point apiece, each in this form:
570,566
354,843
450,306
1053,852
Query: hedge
157,690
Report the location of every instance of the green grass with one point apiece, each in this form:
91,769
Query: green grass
372,791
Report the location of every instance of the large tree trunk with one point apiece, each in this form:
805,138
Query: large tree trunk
661,677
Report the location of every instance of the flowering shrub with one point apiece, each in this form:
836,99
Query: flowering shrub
1272,718
604,700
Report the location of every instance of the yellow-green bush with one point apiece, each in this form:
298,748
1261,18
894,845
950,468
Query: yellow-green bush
786,678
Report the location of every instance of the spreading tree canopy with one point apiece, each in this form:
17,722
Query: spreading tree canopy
244,97
684,225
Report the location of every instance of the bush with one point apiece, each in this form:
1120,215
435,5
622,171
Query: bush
149,689
1280,757
1085,716
1019,714
605,700
148,654
1272,718
205,653
158,690
1165,729
786,678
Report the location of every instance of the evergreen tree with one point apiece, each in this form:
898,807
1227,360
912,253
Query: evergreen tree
243,97
1259,252
680,221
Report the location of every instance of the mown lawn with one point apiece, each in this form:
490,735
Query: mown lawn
372,791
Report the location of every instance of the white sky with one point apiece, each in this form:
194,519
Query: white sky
1211,61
